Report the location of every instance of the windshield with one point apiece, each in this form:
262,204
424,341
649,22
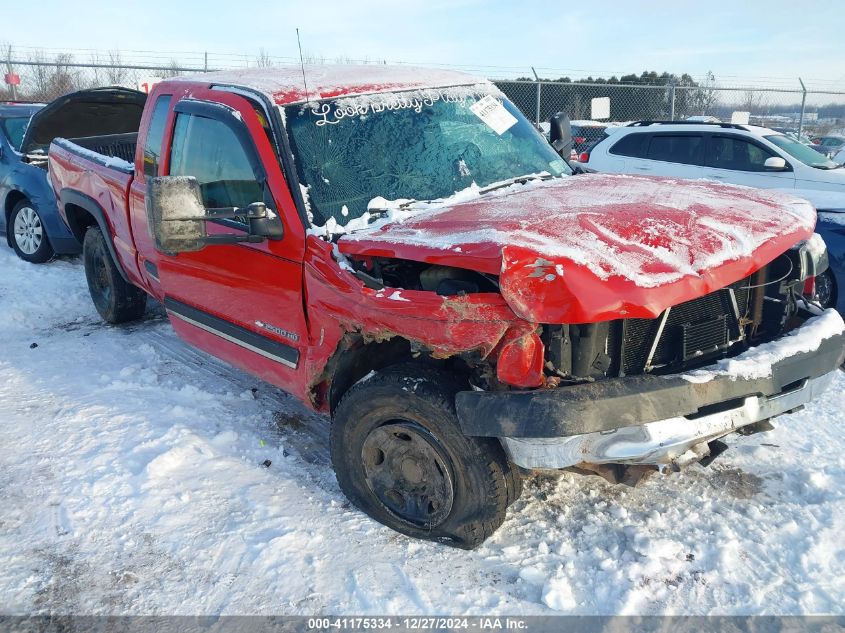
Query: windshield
420,145
13,128
805,154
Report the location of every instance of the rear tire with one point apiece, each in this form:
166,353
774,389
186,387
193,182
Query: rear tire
400,456
28,235
116,300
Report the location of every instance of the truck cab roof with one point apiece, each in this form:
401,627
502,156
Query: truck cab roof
288,85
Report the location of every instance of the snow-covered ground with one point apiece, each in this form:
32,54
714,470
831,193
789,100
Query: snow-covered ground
131,481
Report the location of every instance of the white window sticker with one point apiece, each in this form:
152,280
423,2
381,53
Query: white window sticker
493,113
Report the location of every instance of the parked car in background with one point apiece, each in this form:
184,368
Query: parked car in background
33,226
801,138
413,259
830,205
739,154
742,155
829,145
27,201
585,134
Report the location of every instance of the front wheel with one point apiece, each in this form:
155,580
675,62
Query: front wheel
400,456
29,239
116,300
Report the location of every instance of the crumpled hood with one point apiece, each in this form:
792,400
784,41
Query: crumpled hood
598,247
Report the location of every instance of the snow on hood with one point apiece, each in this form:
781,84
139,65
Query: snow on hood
598,247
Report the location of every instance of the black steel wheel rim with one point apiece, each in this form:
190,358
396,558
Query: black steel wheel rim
100,279
406,470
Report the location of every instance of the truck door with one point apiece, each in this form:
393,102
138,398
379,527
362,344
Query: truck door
240,302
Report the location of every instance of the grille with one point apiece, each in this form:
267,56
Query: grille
695,330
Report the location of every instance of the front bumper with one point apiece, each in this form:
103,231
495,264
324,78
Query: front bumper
658,419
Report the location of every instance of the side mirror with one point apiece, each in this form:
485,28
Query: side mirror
560,134
775,163
176,217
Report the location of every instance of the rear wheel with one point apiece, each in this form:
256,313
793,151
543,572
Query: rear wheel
400,456
29,239
116,300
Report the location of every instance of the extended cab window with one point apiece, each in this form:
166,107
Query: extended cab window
155,136
674,148
731,152
632,145
210,151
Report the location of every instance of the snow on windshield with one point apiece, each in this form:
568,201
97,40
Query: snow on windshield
414,145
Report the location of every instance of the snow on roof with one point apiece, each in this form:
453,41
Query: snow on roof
325,81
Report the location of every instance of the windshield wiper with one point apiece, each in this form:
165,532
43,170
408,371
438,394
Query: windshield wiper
377,213
519,180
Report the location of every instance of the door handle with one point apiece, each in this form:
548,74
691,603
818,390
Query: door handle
642,168
716,176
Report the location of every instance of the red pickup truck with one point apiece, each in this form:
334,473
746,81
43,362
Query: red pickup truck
403,251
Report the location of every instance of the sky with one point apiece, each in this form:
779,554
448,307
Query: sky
770,41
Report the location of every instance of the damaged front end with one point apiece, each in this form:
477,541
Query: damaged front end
629,396
609,335
656,394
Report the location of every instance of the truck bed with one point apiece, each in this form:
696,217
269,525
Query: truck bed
112,145
97,148
115,151
94,168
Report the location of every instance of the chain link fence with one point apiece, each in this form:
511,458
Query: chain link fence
811,112
44,75
43,81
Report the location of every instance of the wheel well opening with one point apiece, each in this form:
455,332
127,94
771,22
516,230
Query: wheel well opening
356,357
12,200
78,219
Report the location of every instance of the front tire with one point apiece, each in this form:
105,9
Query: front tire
400,456
27,233
116,300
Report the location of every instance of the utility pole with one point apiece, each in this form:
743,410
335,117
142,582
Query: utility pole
11,73
206,61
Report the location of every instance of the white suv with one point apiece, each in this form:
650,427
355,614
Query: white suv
737,154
